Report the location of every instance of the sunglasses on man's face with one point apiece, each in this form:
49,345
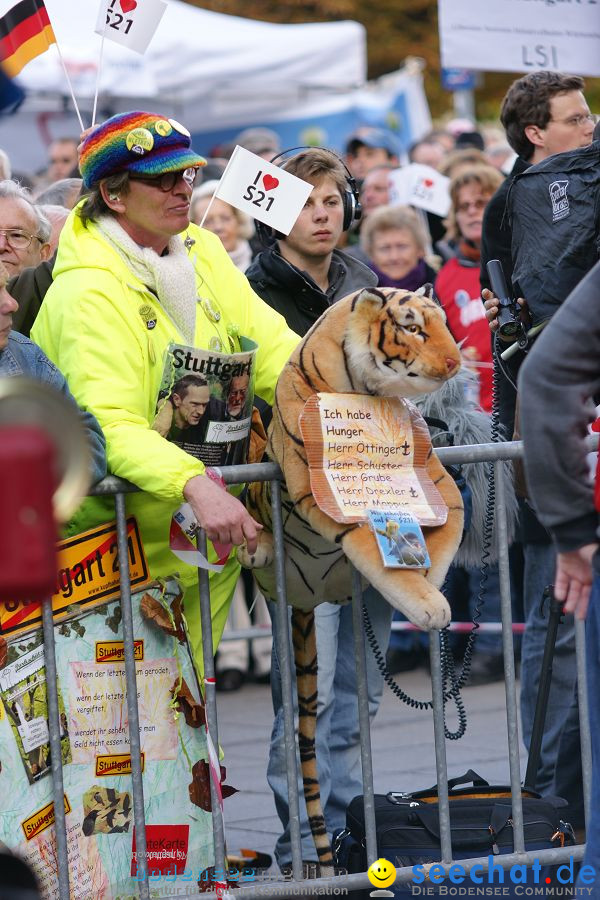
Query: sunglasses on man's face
167,181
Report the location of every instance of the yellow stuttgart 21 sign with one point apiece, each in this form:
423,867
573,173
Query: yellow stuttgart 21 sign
88,572
41,820
118,764
113,651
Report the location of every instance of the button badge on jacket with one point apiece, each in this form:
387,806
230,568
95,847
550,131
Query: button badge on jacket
148,316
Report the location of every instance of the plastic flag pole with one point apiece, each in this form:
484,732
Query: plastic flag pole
97,82
207,210
70,86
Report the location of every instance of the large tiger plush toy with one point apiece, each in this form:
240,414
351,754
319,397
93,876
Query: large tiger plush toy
383,342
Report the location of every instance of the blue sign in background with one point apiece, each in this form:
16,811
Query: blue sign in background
458,79
328,130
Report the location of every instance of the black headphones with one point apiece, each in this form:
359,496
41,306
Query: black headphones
350,200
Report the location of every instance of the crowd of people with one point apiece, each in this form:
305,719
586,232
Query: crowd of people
104,266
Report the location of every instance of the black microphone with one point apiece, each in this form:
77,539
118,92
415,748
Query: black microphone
509,321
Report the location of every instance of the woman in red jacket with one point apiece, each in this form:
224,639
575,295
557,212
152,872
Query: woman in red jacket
457,283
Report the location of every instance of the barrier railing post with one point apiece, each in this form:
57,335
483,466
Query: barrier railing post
510,685
584,721
282,636
364,723
441,768
210,699
60,821
139,816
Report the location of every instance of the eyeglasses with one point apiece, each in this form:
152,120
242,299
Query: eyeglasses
477,205
17,239
577,121
167,181
242,393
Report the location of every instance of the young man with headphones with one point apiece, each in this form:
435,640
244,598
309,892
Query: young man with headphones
300,276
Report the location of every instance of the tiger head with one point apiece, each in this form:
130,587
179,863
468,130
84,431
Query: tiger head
397,343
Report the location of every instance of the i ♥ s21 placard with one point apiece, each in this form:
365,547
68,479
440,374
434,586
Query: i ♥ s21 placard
420,186
131,23
263,190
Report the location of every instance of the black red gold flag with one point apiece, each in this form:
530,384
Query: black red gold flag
25,32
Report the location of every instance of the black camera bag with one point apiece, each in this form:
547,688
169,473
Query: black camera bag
480,819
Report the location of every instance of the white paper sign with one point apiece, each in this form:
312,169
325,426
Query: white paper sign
521,35
263,190
131,23
225,432
420,186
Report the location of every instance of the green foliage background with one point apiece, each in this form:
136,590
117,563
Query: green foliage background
395,29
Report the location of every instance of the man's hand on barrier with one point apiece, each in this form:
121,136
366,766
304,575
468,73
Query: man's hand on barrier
574,576
222,516
490,302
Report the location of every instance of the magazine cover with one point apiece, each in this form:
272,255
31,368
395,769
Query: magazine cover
205,402
400,540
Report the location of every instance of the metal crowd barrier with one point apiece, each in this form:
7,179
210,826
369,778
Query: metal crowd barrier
297,886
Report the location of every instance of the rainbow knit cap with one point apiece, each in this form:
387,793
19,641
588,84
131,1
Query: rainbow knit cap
141,142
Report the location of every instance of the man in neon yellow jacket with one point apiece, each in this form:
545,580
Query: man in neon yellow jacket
131,277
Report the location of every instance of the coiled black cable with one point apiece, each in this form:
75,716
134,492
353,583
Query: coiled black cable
453,693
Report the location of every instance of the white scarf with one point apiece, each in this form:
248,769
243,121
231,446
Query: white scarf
241,255
171,277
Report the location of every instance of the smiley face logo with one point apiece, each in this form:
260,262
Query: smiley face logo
381,873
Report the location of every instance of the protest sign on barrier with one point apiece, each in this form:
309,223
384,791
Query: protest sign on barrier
87,572
369,453
97,763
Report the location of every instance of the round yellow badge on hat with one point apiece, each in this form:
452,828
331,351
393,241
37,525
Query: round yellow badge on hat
179,127
163,128
139,141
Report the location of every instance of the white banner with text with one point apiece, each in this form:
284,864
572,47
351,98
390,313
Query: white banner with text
521,35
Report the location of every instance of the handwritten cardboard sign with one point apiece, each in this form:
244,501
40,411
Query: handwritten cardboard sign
369,453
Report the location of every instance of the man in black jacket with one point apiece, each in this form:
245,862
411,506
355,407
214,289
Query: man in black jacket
543,113
300,276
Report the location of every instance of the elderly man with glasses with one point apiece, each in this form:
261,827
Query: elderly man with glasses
24,229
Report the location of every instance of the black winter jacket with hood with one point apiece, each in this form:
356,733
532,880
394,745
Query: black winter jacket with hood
295,295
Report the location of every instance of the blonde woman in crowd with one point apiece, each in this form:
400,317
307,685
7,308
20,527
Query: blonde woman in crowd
231,225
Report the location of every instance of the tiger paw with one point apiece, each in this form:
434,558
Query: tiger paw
419,601
432,615
262,556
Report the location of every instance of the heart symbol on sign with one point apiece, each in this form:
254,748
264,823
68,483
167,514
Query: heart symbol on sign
428,182
270,182
128,5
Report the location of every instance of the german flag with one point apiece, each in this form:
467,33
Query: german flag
25,32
